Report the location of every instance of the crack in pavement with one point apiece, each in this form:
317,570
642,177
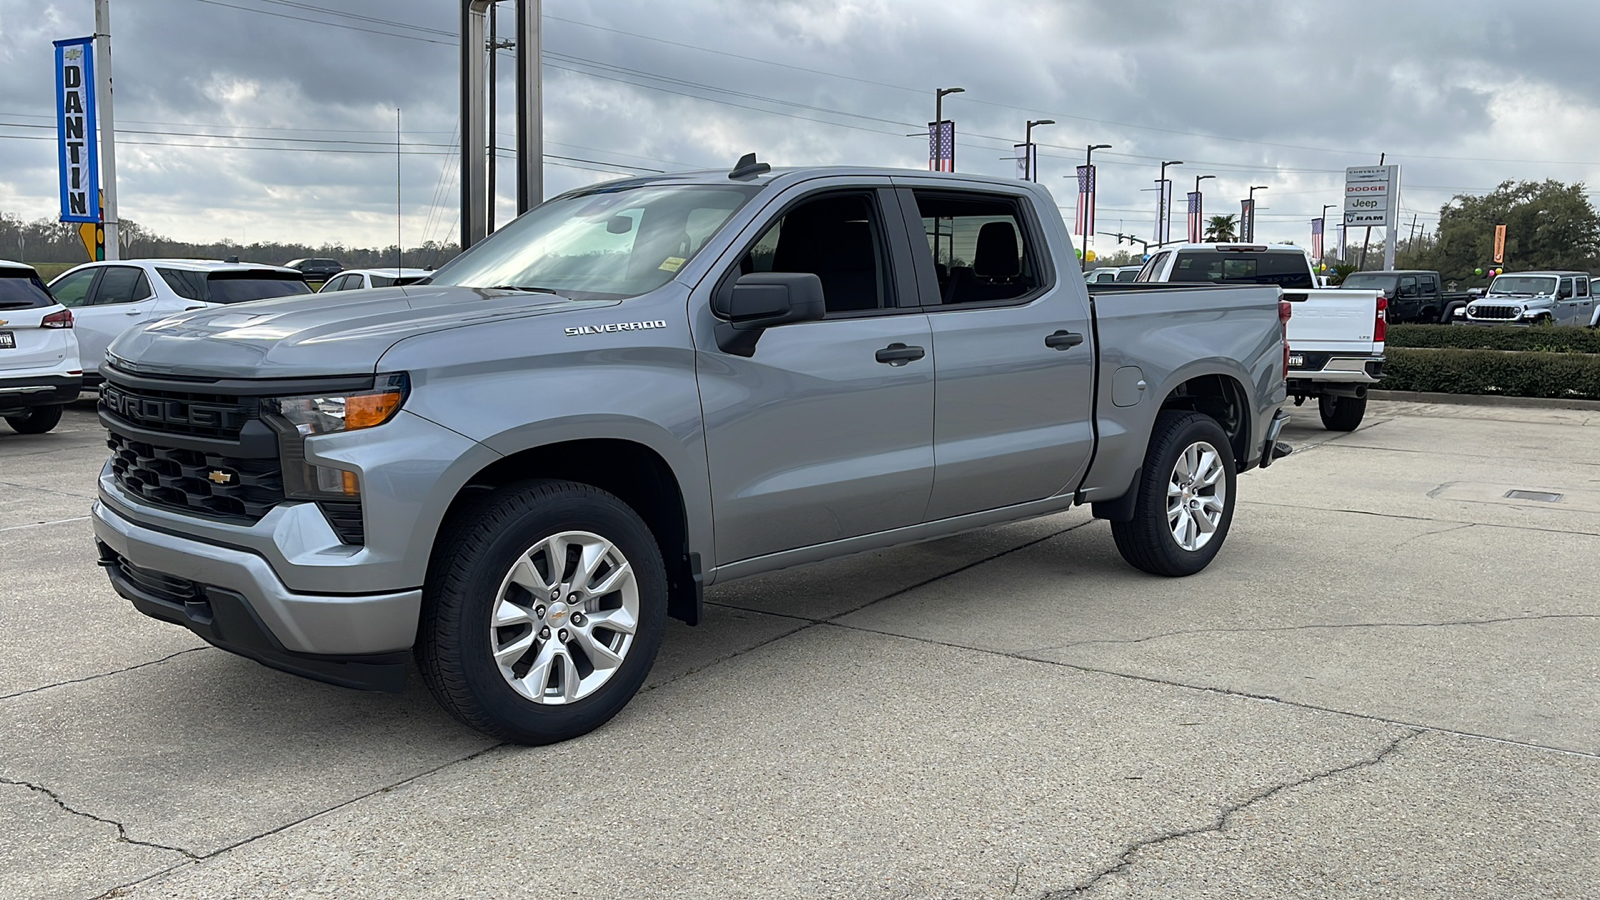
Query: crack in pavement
50,522
46,687
122,833
1325,626
1384,515
1125,860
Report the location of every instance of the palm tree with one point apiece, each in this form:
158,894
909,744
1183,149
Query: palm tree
1220,229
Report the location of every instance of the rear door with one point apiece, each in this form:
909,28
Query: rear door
1585,301
25,345
1568,304
120,299
1014,360
826,431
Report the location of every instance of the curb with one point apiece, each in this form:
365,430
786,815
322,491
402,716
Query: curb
1485,400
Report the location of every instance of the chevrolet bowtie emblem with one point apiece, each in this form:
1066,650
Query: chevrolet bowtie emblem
2,321
220,477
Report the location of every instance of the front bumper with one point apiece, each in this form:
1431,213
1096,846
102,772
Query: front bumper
38,390
233,599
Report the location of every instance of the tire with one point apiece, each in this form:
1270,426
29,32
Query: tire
1341,413
1150,542
495,556
38,420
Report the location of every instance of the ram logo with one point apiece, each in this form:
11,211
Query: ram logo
615,327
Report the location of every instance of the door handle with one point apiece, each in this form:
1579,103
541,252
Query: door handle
898,354
1063,340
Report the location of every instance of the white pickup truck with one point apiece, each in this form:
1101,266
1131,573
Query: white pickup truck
1335,336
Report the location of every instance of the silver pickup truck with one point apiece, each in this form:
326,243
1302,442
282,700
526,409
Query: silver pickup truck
518,471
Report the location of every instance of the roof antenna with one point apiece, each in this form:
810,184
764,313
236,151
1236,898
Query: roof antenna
749,168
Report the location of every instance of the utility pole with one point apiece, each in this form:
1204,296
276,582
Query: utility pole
494,53
1252,236
1200,211
1088,163
108,127
530,106
399,255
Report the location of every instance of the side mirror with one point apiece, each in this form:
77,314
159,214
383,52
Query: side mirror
763,300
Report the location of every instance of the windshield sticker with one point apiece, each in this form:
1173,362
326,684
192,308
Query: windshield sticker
672,264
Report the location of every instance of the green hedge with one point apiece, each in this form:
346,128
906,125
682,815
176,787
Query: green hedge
1542,338
1568,376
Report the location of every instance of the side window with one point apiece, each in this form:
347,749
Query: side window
839,238
1583,287
121,284
184,284
73,290
1566,288
1148,273
1430,285
1408,285
980,247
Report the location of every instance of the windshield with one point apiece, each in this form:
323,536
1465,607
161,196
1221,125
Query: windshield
605,244
1369,281
1284,268
1525,285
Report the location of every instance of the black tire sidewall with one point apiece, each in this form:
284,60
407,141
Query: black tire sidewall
574,508
37,420
1190,430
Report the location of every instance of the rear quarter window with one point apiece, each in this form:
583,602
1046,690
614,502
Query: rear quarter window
224,287
21,289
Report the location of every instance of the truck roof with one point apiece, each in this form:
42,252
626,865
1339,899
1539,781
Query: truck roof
721,176
1235,246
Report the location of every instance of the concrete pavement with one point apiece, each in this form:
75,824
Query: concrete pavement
1385,686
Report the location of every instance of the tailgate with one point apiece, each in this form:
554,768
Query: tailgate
1339,322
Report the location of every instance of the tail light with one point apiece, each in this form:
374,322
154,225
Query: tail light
1380,326
61,319
1285,311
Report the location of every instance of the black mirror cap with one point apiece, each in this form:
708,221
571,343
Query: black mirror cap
762,300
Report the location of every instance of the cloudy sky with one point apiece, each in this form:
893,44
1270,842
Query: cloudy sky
274,119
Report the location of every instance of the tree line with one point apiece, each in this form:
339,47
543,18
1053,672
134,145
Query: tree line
49,241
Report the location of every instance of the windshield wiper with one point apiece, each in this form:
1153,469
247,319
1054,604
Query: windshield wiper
525,289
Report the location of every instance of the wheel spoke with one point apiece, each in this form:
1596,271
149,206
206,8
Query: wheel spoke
614,579
570,680
507,655
619,620
1210,469
600,655
555,554
526,576
1203,522
537,680
590,558
507,613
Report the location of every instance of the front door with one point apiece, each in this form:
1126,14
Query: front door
121,298
820,434
1015,355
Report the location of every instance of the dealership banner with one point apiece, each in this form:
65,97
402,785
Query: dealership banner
942,146
1164,212
1196,227
75,130
1316,239
1247,220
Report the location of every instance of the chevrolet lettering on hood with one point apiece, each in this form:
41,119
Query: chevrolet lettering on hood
615,327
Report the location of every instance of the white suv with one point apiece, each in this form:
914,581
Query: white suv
39,369
110,297
361,279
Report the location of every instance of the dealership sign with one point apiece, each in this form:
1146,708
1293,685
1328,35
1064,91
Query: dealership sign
75,130
1371,195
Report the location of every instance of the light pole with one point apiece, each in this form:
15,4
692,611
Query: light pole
1163,204
1199,213
1253,189
1325,208
1088,163
1033,158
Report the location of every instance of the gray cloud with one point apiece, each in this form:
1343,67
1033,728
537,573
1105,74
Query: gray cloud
1254,92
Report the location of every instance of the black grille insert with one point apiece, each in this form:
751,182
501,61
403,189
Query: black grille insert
1495,312
196,481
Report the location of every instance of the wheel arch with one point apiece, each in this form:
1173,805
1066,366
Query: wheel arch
633,472
1224,398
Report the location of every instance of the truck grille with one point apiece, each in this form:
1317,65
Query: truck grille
172,412
196,481
1494,312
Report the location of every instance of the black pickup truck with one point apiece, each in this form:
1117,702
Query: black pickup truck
1414,294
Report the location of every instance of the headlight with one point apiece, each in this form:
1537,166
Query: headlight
330,413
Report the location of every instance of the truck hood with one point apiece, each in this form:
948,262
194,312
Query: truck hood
1538,301
342,333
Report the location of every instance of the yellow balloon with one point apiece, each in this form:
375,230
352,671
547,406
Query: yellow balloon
1089,255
